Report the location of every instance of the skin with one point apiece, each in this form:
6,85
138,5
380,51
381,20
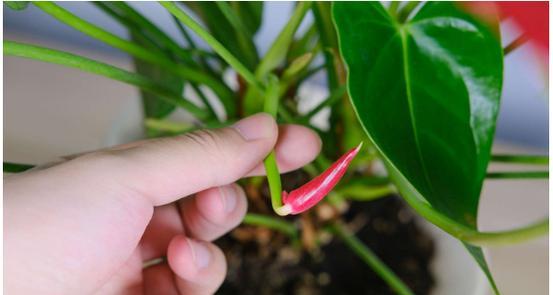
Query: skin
87,225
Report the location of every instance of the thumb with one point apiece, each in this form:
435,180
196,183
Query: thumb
167,169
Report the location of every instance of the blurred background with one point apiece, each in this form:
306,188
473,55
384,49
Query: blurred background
50,111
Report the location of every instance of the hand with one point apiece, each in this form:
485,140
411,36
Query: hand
88,224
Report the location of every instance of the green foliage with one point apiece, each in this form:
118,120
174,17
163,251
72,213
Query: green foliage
234,25
88,65
17,5
156,108
425,88
428,101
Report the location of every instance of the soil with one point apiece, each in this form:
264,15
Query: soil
261,261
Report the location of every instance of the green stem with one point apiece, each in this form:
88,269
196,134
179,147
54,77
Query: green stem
472,236
518,175
200,93
131,26
334,97
278,224
99,68
523,159
271,167
365,193
215,45
521,40
10,167
167,126
222,90
192,45
370,259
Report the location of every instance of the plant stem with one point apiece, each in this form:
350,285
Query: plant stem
192,45
278,224
215,45
10,167
365,193
271,167
472,236
99,68
131,26
222,90
518,175
334,97
522,39
167,126
370,259
523,159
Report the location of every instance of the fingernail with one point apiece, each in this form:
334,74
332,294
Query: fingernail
256,127
228,197
200,253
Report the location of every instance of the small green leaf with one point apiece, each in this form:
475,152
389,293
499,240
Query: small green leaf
297,65
17,5
427,93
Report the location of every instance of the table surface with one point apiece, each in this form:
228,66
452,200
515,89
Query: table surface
50,111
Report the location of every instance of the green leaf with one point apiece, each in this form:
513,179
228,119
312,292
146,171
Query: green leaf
427,93
238,42
153,106
10,167
250,12
17,5
274,57
95,67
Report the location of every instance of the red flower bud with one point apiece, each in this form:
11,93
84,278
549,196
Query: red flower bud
311,193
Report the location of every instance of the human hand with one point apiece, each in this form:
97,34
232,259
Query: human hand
88,224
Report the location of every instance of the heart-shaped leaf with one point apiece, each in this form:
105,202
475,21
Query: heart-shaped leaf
427,93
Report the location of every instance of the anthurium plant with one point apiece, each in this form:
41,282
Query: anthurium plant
418,83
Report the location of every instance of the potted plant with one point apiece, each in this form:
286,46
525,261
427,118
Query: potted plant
418,83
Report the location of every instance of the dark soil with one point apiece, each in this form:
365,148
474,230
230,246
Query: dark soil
261,261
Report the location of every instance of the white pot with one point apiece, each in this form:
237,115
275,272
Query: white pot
455,271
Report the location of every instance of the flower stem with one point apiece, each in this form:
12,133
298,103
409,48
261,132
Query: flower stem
370,259
271,167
